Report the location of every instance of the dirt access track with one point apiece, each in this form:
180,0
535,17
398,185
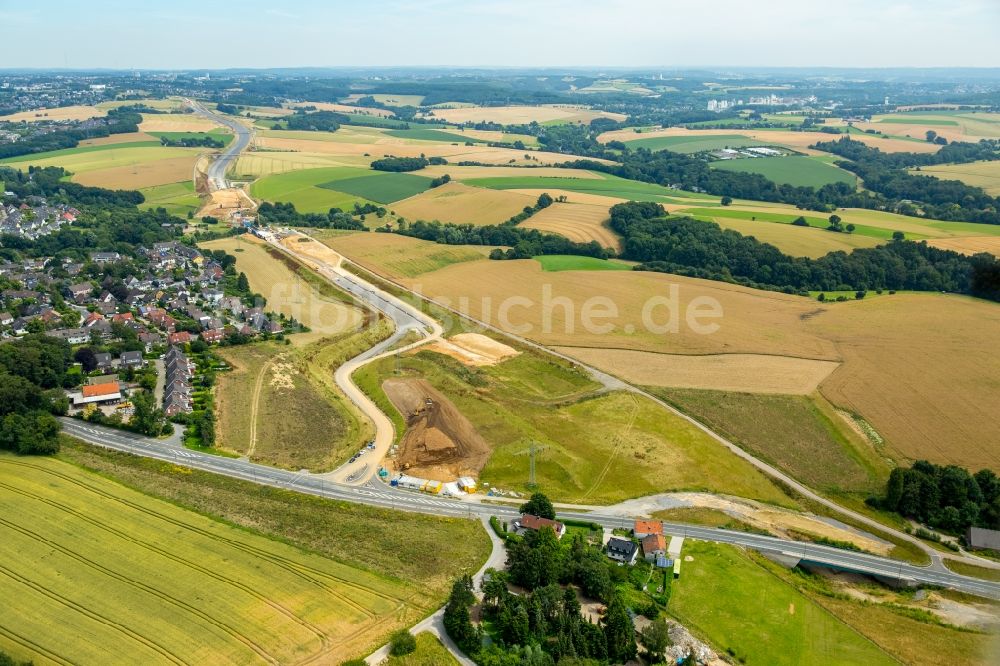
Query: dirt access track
439,443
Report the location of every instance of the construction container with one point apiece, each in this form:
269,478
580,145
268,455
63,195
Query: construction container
467,483
409,482
433,487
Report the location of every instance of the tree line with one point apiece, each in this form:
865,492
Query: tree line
34,370
119,121
285,214
686,246
946,497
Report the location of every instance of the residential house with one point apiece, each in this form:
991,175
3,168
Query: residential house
644,528
622,550
180,338
131,359
213,335
79,292
105,257
530,523
104,362
74,336
653,546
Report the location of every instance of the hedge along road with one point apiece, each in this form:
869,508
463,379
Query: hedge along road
377,494
407,318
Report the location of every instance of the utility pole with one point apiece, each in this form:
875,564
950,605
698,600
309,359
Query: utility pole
531,464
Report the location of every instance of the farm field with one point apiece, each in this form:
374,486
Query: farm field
345,108
721,587
399,256
922,387
462,204
694,144
129,166
374,142
61,113
384,188
522,115
754,373
216,134
799,141
606,185
176,198
592,448
175,104
569,262
175,122
792,240
952,125
302,189
390,99
798,171
969,244
90,554
448,136
802,434
977,174
578,222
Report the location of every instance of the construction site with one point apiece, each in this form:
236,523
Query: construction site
439,443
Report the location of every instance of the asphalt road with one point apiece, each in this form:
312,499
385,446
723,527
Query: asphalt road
219,167
377,494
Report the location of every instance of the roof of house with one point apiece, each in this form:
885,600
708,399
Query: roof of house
621,546
979,537
537,523
648,527
653,543
94,390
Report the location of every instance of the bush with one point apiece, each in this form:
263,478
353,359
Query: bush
402,642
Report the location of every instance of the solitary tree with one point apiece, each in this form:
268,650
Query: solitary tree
539,505
898,235
727,201
401,643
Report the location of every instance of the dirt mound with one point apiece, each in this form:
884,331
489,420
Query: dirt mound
440,443
474,349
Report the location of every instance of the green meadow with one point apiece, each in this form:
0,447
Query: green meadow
796,170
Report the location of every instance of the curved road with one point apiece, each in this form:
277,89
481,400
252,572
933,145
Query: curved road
219,167
377,494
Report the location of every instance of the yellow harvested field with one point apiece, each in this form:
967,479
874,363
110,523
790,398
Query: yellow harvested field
919,368
138,176
473,349
60,113
578,222
522,115
970,126
496,136
462,204
977,174
399,257
746,373
969,244
345,108
131,137
286,292
753,322
381,145
168,104
928,389
799,141
175,122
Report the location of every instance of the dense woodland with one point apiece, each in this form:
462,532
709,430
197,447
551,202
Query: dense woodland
285,214
945,497
686,246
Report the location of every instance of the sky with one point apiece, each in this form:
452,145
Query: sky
211,34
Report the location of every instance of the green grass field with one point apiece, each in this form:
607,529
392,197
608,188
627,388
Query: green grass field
917,119
693,144
568,262
177,198
795,170
745,610
606,185
429,652
79,150
801,435
380,187
788,218
433,135
302,189
591,448
128,577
